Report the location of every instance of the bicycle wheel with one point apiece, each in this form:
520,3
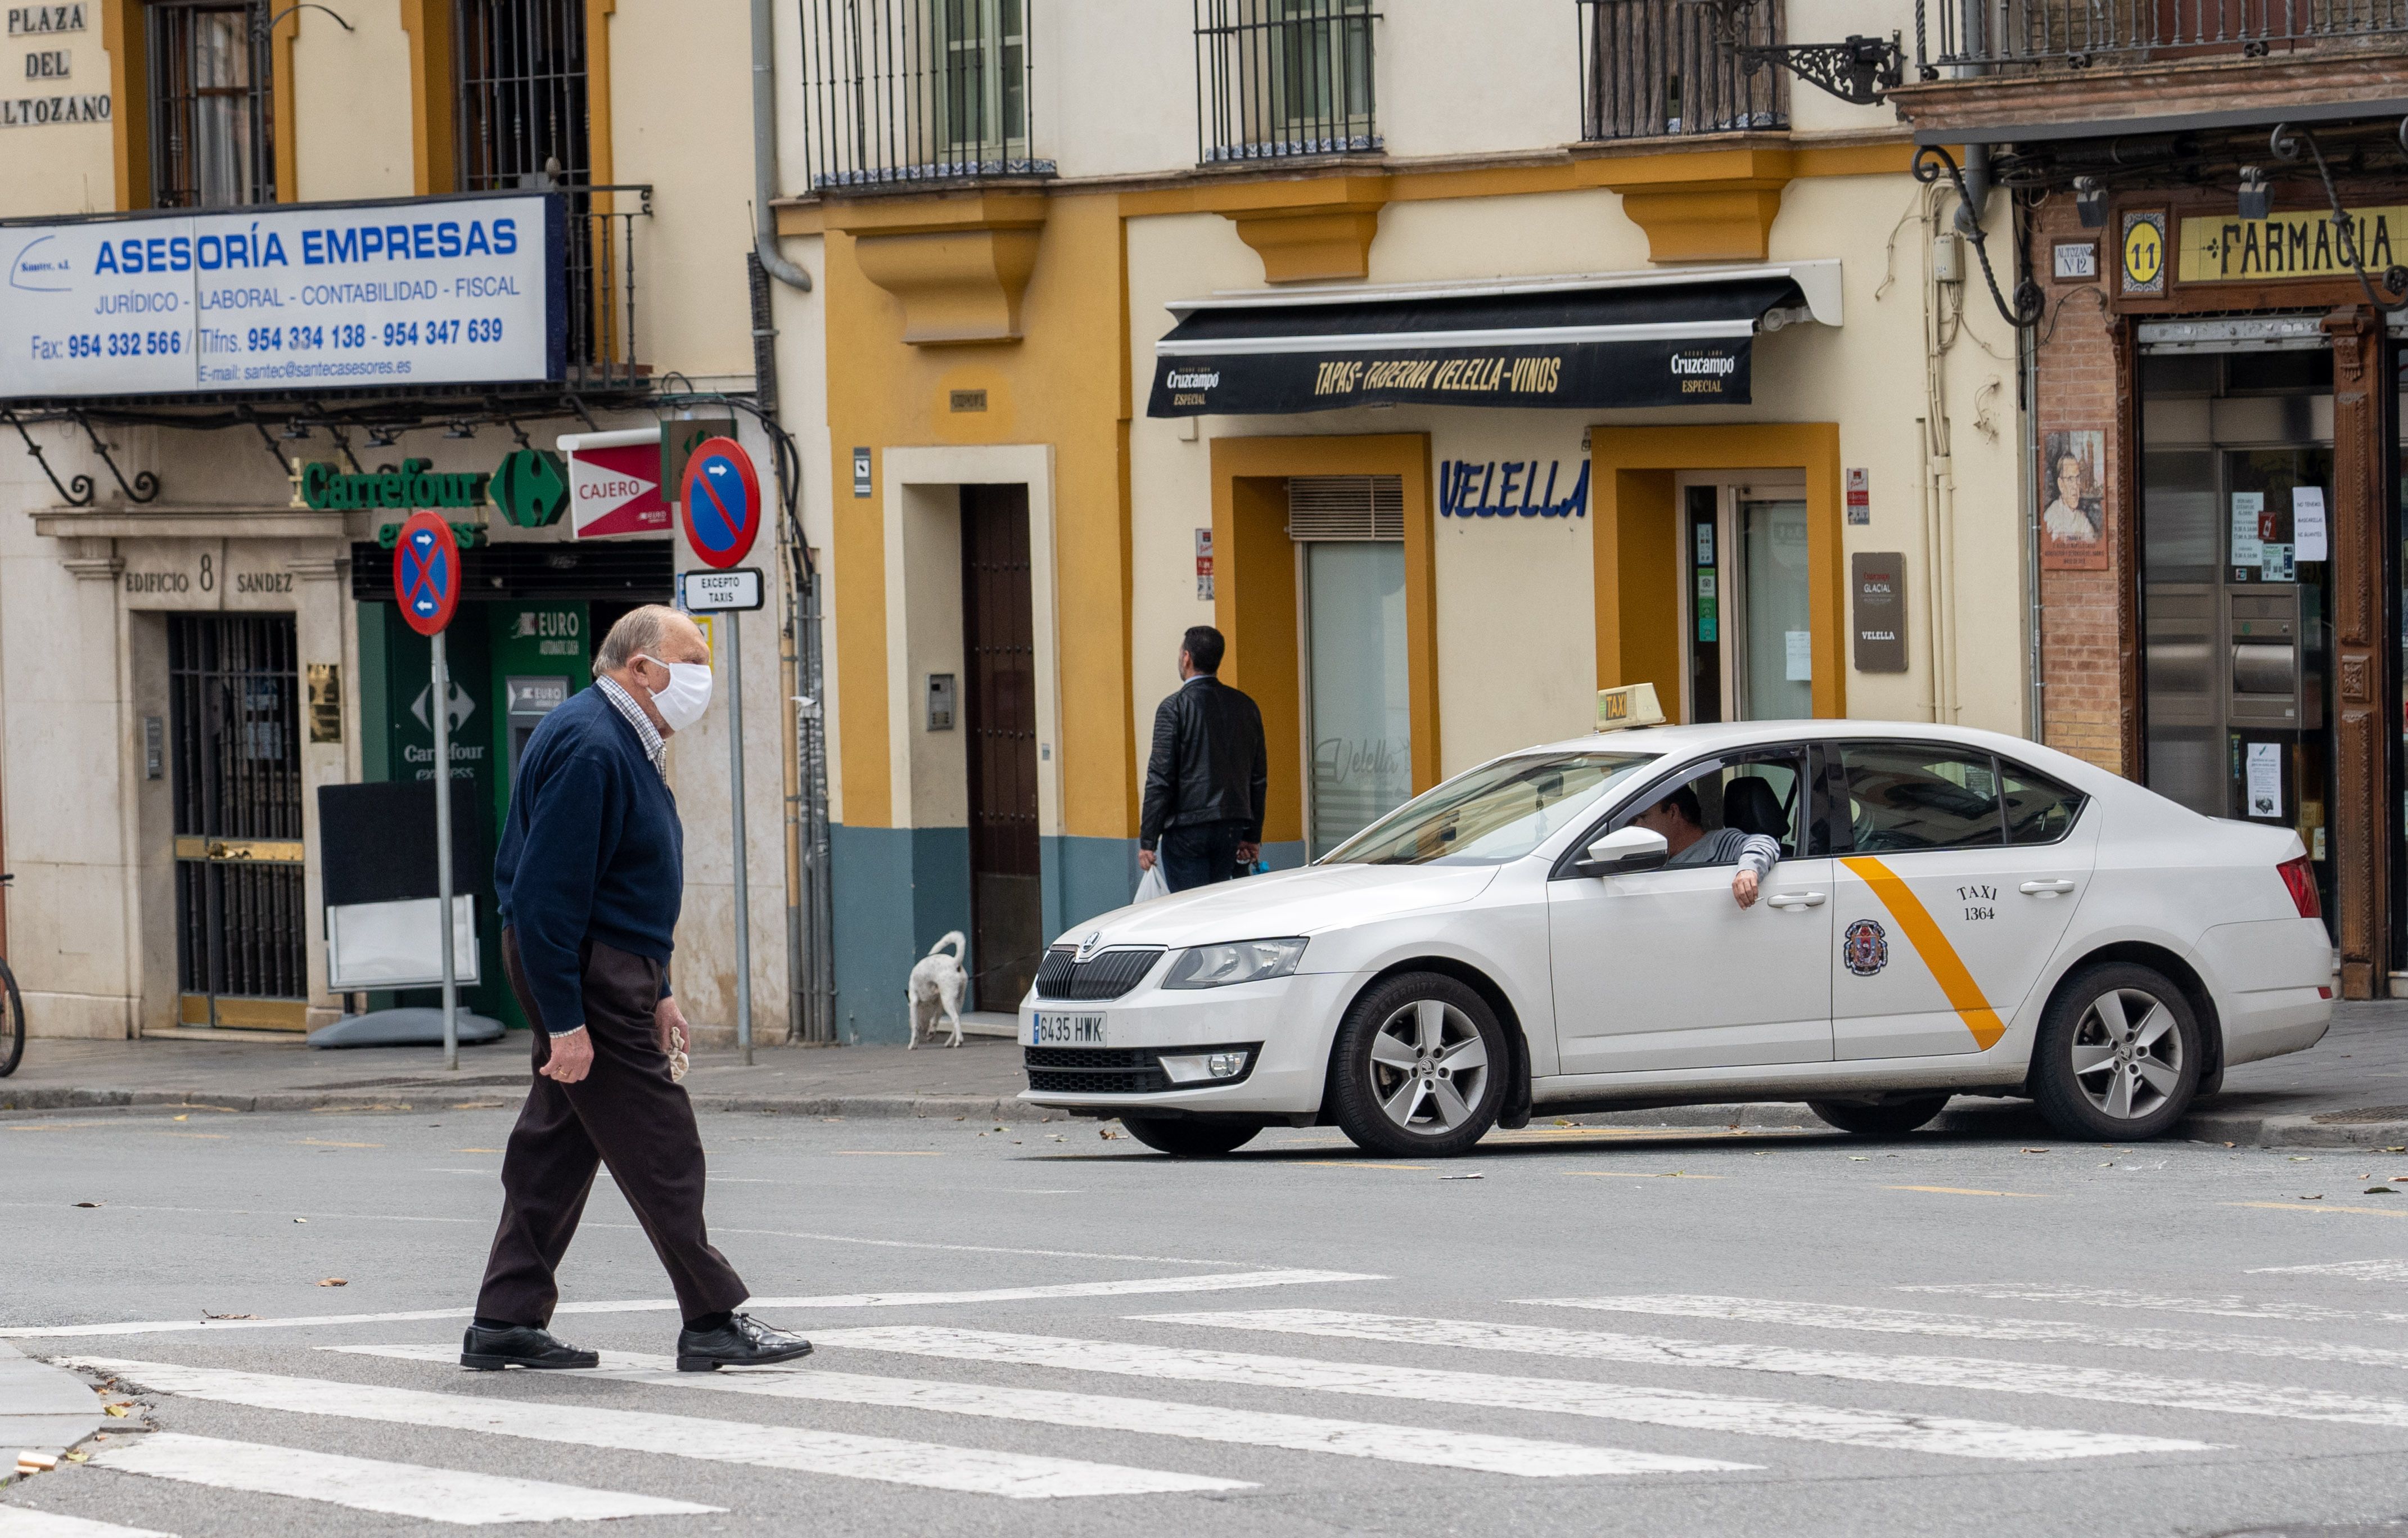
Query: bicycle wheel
12,1024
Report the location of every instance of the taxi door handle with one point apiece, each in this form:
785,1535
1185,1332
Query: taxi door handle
1796,899
2045,888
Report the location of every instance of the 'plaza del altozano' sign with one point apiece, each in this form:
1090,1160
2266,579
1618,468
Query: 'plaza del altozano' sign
1598,340
398,294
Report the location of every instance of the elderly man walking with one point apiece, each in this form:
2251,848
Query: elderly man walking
1202,816
590,874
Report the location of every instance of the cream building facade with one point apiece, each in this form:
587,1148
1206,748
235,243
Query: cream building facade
190,652
1098,283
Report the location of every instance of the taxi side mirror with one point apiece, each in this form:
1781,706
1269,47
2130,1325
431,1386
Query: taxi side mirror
1624,852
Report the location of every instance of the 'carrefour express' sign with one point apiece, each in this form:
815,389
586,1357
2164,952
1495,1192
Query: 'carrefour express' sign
298,297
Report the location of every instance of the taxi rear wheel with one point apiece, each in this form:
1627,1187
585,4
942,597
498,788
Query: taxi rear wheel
1888,1120
1419,1067
2118,1056
1191,1137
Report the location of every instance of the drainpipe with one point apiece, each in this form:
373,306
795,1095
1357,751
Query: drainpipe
765,151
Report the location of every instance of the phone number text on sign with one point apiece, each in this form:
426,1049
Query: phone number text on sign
458,291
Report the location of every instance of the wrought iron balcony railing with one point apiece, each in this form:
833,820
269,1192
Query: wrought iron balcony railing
2025,36
1654,67
601,262
906,91
1280,78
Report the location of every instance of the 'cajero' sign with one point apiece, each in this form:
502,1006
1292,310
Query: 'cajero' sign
416,484
2221,248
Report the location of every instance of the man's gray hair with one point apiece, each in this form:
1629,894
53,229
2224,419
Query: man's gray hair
638,631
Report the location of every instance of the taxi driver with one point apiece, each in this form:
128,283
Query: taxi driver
1679,818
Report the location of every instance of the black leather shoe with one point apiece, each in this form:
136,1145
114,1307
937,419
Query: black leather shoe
521,1345
743,1341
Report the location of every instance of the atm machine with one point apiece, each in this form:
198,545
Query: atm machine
2236,488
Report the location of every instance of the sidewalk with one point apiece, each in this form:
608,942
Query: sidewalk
2352,1091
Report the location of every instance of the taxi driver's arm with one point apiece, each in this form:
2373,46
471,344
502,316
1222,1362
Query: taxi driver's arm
1755,860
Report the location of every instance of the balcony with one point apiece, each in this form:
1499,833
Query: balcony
1284,80
1990,37
1655,68
902,92
2000,71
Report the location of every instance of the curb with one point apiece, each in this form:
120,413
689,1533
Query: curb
43,1409
2329,1130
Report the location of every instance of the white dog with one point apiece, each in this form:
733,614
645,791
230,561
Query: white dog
937,984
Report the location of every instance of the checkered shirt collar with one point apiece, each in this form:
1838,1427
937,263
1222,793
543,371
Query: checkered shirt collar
655,748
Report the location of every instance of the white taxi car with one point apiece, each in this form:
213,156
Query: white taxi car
1954,913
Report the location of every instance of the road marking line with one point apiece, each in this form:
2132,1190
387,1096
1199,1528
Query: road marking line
2004,1377
2230,1306
1348,1164
2363,1270
368,1484
841,1454
1678,1407
326,1142
25,1522
1643,1174
2322,1207
1127,1287
889,1152
1923,932
1965,1190
1899,1321
1485,1454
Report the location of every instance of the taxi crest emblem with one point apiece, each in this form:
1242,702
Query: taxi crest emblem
1864,948
1087,944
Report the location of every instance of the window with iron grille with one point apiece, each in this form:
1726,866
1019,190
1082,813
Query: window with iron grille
1282,77
917,91
211,122
1651,68
521,107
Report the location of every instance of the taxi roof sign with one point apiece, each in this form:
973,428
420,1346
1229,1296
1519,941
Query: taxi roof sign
1629,704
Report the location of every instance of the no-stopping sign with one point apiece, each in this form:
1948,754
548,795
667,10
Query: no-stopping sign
720,502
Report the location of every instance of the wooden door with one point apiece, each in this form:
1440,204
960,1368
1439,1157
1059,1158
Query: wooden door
999,711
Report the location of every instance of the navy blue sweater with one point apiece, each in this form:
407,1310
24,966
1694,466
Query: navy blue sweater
593,850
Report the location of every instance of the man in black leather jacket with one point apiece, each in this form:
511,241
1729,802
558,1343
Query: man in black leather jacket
1205,782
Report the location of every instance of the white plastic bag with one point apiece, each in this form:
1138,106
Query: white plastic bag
1152,884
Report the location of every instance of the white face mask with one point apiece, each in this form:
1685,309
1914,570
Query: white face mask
687,695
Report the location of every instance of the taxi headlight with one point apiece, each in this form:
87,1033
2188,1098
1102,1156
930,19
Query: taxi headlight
1239,961
1204,1066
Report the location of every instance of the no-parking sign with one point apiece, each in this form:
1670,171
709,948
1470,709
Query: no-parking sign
720,502
427,572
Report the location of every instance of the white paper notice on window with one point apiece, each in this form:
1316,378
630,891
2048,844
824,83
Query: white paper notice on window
1801,655
2308,523
2265,780
2247,548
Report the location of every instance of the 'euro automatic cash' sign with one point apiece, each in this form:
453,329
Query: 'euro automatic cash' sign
424,292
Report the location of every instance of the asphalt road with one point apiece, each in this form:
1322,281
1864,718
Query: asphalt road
1796,1333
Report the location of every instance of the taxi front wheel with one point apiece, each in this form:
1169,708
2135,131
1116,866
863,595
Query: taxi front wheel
1419,1067
2118,1056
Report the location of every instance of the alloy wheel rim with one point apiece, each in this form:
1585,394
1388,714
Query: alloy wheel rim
2128,1053
1428,1066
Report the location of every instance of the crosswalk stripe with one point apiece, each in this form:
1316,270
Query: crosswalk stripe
25,1522
2229,1306
841,1454
368,1484
1901,1321
2362,1270
1676,1407
1225,1281
1504,1455
2004,1377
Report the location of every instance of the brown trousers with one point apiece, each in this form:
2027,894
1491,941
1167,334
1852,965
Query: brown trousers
626,1114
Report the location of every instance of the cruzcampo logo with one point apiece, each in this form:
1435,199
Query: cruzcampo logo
414,485
531,487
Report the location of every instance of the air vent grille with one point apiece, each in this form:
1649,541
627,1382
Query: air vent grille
1346,507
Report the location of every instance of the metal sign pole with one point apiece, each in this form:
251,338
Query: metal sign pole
441,707
736,797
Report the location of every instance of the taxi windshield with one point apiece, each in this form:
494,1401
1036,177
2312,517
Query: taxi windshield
1495,813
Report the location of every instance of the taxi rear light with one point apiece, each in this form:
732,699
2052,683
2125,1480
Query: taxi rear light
2302,879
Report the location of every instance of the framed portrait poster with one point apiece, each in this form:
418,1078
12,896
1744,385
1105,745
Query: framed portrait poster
2073,505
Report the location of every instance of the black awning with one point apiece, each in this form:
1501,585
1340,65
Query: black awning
1622,339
